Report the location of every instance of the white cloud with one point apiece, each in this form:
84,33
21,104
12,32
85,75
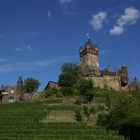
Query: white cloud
19,49
29,48
49,15
130,17
24,48
98,20
65,2
117,30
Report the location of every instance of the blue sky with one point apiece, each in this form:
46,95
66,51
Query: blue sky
38,36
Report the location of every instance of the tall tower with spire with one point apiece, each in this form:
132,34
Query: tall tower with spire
20,88
89,58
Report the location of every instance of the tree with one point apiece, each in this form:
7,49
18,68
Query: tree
86,89
131,128
55,92
125,107
69,75
134,85
69,78
31,85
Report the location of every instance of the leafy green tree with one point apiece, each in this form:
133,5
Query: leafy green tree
69,78
134,85
131,128
31,85
102,118
53,92
86,89
125,107
69,75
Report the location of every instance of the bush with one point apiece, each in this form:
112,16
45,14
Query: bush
102,107
102,118
55,92
86,111
131,128
78,115
78,101
92,110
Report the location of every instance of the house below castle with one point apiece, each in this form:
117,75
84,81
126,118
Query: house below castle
14,93
89,62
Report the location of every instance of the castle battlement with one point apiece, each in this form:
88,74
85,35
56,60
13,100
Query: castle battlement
89,62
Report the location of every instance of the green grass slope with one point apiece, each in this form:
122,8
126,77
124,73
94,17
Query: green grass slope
26,121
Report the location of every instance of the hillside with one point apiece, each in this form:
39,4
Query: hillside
31,121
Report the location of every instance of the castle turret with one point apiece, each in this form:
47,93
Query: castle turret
89,58
20,88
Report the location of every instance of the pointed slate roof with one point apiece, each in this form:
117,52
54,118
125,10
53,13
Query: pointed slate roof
20,79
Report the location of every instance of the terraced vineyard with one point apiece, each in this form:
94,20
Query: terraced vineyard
21,121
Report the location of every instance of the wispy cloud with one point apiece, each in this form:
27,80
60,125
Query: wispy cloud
29,48
23,66
65,2
2,36
129,17
3,60
65,5
23,48
19,49
98,19
49,15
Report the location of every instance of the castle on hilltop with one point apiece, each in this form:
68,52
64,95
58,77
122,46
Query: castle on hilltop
89,62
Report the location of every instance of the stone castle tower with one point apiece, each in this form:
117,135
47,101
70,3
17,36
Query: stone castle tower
89,58
89,55
20,88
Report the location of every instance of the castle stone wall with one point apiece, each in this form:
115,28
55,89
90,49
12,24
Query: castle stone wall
109,81
89,56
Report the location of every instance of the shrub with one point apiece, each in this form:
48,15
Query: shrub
55,92
86,111
131,129
67,91
102,118
78,101
78,115
92,110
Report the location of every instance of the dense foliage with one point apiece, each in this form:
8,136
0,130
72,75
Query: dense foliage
31,85
114,110
134,86
69,75
72,83
121,108
86,89
53,92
